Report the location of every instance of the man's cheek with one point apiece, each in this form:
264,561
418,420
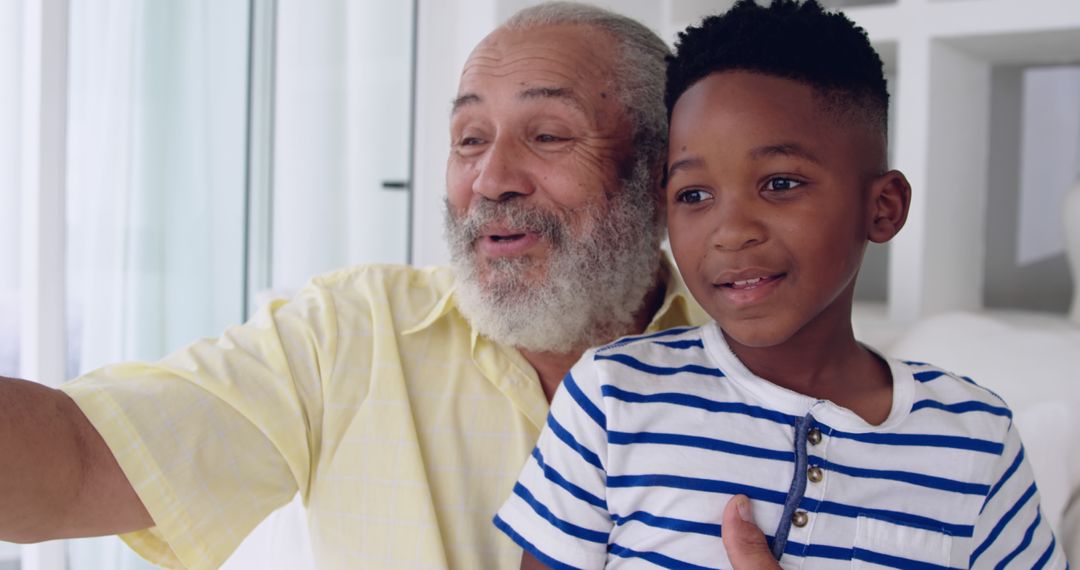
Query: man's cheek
597,162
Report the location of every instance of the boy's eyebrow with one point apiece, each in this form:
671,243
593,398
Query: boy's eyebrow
686,163
784,149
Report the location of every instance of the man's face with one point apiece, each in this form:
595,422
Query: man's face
767,205
536,120
547,211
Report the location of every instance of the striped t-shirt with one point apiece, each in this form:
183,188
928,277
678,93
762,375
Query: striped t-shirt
649,437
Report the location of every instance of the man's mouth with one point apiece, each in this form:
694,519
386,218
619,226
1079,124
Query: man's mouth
506,237
507,243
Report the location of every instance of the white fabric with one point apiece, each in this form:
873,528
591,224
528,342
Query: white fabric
662,430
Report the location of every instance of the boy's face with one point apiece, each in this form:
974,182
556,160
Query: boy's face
770,205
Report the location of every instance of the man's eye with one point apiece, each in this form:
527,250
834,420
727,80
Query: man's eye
470,141
692,196
780,184
545,138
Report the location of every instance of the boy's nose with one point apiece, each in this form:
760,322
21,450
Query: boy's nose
737,228
502,172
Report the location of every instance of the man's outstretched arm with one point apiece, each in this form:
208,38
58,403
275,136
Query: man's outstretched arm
58,479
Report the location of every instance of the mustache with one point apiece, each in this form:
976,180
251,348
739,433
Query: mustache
515,214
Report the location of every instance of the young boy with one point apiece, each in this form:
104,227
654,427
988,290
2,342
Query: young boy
776,180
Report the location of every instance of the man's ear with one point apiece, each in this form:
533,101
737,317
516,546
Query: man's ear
890,199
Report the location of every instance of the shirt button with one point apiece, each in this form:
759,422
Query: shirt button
814,436
800,518
815,474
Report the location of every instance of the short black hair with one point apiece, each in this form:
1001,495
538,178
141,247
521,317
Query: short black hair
788,39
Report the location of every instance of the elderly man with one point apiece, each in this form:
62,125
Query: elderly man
399,402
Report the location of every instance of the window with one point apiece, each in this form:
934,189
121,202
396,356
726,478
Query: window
163,154
10,70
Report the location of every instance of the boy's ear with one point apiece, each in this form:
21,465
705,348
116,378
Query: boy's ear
890,198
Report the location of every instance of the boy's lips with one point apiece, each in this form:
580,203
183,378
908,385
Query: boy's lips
747,286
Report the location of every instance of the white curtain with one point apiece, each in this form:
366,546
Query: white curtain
156,151
10,95
341,128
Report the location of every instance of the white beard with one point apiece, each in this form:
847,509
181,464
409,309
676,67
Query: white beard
592,286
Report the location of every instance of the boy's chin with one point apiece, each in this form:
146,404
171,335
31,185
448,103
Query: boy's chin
754,335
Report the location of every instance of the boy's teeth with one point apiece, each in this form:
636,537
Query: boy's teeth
747,282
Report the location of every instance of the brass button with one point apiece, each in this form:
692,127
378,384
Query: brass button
814,437
815,474
800,518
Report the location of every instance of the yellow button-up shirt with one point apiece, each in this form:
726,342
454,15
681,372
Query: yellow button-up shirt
402,428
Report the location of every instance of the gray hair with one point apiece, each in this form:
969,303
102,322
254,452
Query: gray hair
639,71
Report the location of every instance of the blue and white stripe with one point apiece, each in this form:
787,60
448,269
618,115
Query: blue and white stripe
650,436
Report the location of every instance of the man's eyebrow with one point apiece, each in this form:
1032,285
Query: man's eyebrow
785,149
684,164
564,94
463,100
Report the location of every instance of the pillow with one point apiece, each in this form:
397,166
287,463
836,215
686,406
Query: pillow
1070,530
1050,431
1025,359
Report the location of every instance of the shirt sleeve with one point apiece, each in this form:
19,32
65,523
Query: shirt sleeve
1011,531
558,509
219,434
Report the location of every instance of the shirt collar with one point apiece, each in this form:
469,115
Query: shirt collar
679,307
442,307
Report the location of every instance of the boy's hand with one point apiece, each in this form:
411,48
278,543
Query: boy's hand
743,540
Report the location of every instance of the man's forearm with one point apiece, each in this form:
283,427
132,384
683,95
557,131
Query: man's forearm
58,479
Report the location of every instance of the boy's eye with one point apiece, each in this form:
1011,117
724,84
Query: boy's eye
692,196
780,184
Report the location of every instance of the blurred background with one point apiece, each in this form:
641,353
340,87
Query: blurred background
166,166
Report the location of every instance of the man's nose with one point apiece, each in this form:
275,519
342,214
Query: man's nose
738,225
503,171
